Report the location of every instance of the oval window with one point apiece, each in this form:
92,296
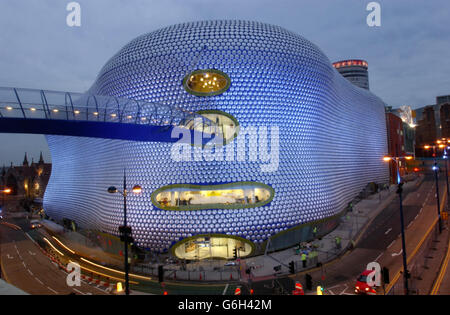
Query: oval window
222,123
226,196
212,246
206,82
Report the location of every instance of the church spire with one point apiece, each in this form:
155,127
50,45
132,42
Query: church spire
41,159
25,160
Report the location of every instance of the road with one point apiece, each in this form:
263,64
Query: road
381,240
26,267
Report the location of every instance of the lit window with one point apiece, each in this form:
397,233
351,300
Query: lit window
221,123
226,196
206,82
212,246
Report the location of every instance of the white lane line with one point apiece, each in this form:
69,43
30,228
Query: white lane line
379,256
391,244
39,281
52,290
397,254
345,289
332,293
23,263
31,238
225,290
78,291
416,217
410,223
29,271
386,233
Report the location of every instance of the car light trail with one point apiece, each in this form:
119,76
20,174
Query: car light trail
51,245
114,270
60,243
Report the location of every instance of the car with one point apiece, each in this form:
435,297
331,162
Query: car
35,224
231,263
362,287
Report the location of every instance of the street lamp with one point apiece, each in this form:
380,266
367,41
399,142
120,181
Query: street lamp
4,192
399,192
125,231
435,168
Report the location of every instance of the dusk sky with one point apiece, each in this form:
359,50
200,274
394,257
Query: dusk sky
408,54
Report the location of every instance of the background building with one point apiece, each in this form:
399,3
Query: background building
356,71
28,180
433,123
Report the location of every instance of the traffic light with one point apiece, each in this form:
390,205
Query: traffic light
292,267
160,273
235,253
308,280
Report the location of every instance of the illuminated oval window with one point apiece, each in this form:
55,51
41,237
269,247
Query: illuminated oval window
226,196
221,122
206,82
212,246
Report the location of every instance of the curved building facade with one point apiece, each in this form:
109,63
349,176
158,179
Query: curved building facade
326,139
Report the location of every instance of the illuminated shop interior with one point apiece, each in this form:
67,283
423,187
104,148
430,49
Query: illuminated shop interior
207,82
204,247
191,197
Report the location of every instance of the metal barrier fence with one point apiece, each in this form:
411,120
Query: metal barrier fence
419,265
223,274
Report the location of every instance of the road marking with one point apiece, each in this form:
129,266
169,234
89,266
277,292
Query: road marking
31,253
29,271
441,275
78,291
379,256
397,254
52,290
386,233
23,263
410,223
31,238
9,257
225,290
391,244
39,281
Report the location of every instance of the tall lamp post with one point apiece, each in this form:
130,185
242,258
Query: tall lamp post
399,192
435,168
125,230
4,191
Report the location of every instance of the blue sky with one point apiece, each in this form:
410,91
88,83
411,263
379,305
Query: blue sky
408,55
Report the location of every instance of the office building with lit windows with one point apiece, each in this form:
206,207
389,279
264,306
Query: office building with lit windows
240,75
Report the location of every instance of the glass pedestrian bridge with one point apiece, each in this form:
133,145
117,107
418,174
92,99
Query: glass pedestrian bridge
76,114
